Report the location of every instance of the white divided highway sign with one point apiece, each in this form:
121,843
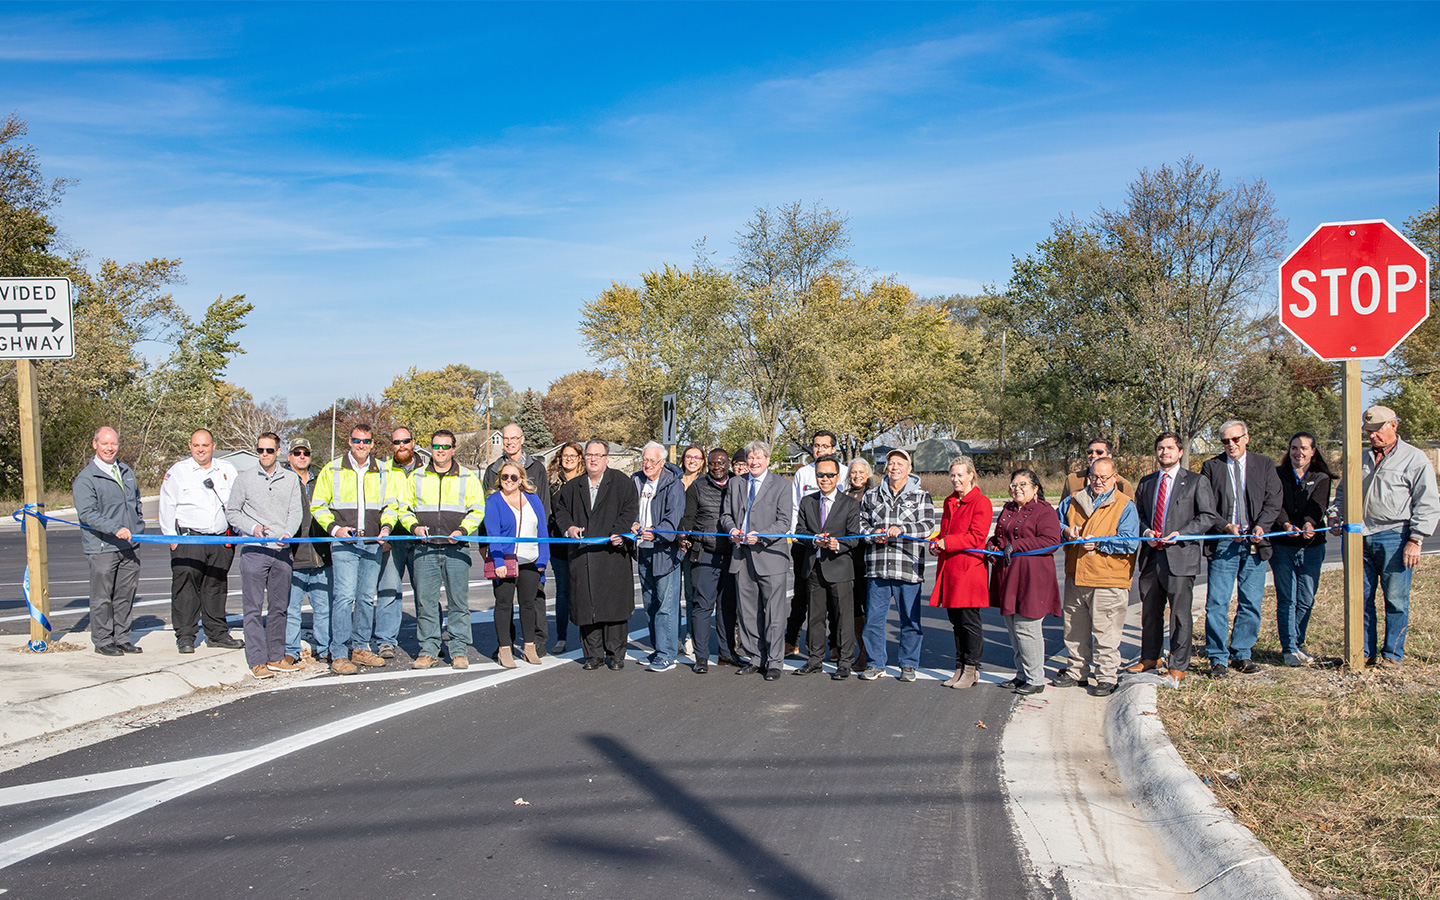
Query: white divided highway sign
35,319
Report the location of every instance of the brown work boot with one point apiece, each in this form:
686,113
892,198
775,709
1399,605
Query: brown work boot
366,658
1144,665
343,666
261,672
460,662
424,661
282,665
505,657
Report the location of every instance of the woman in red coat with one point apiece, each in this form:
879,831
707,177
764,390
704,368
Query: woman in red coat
960,576
1024,587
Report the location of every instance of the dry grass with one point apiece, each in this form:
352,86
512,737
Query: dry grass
1337,772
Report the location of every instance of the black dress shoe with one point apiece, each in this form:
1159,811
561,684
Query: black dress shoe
702,667
772,674
185,648
228,642
810,668
109,650
591,664
129,648
1013,683
841,674
747,669
616,664
1027,689
1103,689
1245,666
1218,671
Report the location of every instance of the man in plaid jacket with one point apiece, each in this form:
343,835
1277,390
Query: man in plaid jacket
892,511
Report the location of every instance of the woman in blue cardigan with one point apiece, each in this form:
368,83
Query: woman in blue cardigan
516,511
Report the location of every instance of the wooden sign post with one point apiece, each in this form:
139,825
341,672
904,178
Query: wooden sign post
37,564
1352,543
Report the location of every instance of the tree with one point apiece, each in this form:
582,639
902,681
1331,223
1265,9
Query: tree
581,405
346,414
26,198
1411,375
1139,313
244,420
532,421
786,259
1280,388
426,401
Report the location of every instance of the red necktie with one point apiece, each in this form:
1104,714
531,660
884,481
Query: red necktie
1160,498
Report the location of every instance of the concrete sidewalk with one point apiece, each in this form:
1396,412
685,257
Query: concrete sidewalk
52,691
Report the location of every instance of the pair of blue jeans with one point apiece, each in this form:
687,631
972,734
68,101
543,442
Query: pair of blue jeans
315,582
1297,574
661,596
355,571
446,565
880,593
1233,569
394,564
1384,555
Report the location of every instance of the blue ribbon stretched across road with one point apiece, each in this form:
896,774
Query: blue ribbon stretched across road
30,510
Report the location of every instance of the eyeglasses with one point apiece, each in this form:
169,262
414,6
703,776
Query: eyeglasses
1021,485
1234,440
266,450
510,477
362,440
1101,478
597,456
300,452
395,440
442,446
827,474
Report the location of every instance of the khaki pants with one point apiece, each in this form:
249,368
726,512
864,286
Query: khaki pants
1095,614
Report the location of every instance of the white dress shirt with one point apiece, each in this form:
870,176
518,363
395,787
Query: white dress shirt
185,501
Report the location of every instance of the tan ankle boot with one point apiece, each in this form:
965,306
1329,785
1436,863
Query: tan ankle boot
972,675
955,679
505,658
531,656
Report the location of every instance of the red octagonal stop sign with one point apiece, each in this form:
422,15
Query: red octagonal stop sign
1354,290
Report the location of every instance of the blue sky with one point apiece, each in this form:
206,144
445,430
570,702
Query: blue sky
398,185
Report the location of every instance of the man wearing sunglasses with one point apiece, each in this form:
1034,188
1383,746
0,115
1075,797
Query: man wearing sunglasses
310,568
265,502
350,497
398,558
1075,482
439,503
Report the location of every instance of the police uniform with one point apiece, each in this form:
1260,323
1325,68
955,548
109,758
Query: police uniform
192,501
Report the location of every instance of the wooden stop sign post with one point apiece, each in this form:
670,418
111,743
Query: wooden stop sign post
1353,291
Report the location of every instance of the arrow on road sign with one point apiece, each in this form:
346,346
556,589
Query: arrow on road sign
20,324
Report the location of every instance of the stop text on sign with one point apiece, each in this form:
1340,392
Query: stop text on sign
1364,291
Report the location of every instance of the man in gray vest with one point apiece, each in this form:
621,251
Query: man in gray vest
107,503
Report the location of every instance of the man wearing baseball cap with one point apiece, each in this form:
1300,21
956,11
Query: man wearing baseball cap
893,510
1401,508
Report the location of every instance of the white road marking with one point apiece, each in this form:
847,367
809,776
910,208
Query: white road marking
208,770
104,781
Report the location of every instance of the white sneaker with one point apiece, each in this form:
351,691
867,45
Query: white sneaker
1299,658
689,648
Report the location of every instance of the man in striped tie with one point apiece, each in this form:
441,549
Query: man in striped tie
1171,502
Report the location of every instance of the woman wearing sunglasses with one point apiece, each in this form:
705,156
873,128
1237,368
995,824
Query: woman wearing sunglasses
519,566
568,463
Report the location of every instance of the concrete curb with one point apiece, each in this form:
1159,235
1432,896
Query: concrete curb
1219,858
33,718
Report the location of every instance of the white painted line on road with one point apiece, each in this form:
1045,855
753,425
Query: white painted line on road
206,771
104,781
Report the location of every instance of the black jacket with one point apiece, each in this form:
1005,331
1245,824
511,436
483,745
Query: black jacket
1304,501
316,555
844,519
702,513
1262,496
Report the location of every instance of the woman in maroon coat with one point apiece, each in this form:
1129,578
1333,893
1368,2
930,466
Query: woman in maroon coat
1024,587
960,576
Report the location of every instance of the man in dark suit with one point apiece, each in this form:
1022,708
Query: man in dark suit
760,504
1171,502
602,580
827,565
1248,499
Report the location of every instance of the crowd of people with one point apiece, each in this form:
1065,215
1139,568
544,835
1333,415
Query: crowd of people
714,539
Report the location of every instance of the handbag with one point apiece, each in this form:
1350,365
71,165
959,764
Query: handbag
512,567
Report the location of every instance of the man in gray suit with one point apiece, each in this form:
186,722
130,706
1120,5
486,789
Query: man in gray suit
107,503
1170,502
760,504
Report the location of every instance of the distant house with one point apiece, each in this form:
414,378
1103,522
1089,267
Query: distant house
242,460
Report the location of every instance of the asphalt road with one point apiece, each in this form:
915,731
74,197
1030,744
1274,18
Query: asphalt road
635,785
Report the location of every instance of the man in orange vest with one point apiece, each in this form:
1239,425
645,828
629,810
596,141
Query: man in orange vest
1097,577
